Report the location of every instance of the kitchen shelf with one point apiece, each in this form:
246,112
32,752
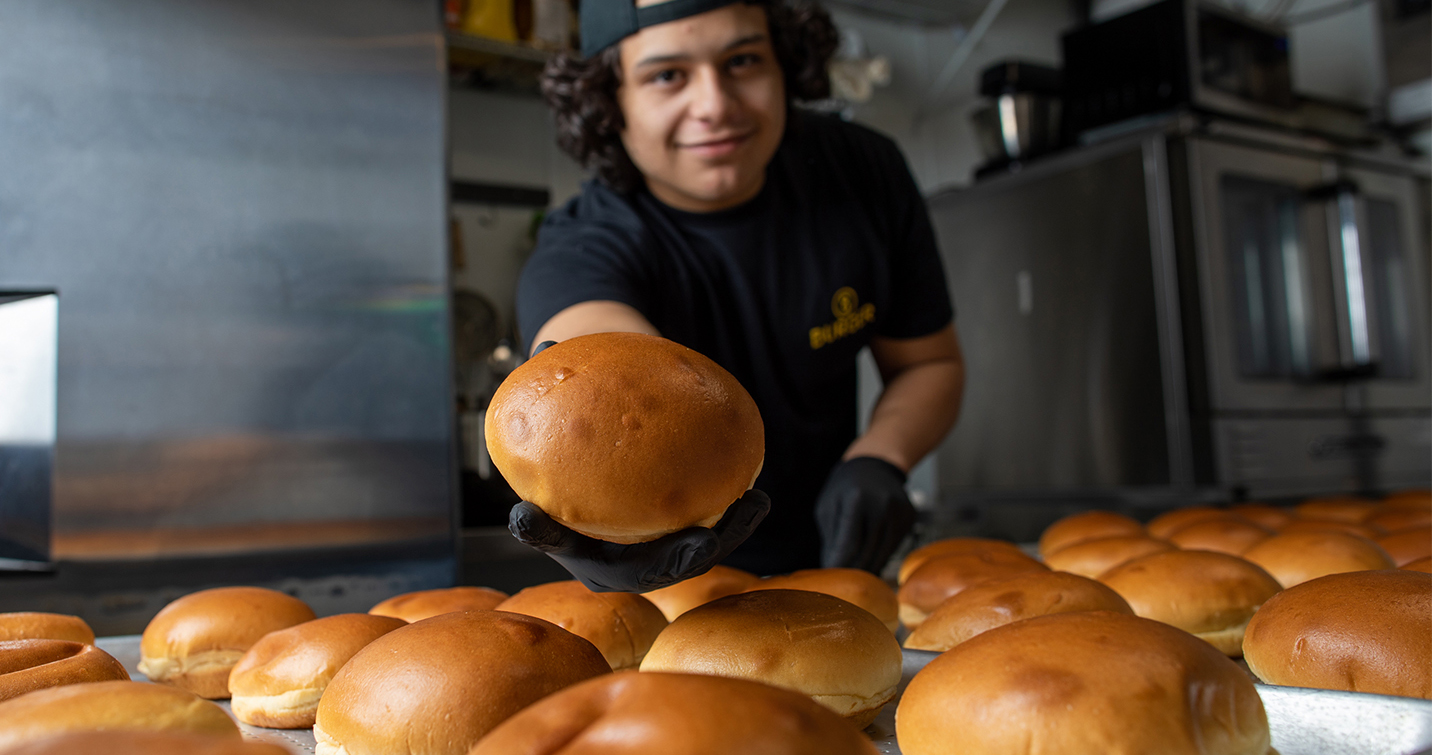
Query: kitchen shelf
463,45
483,63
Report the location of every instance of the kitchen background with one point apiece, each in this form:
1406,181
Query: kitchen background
257,264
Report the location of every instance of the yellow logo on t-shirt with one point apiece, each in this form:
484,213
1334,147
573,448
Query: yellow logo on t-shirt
850,316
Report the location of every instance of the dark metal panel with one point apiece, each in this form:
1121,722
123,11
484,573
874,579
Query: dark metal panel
1284,456
468,192
1162,233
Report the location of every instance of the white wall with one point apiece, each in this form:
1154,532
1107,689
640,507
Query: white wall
1338,58
508,139
933,128
504,139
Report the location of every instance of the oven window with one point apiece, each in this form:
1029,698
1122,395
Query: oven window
1268,279
1389,275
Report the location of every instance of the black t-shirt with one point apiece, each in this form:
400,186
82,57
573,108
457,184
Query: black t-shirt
783,291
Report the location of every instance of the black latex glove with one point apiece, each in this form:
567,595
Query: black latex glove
863,513
613,567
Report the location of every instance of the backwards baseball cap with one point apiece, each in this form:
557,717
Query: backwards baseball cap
607,22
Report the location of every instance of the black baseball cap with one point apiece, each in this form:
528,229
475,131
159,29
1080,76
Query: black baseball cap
607,22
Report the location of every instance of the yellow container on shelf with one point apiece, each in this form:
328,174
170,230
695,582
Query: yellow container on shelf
490,18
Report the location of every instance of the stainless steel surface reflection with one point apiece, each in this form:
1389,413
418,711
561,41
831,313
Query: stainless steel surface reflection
243,207
1065,390
1017,126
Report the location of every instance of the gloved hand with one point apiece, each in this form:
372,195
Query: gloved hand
612,567
863,513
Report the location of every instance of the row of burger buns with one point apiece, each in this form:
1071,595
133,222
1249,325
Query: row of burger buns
500,682
791,664
1311,540
439,670
774,670
1275,599
1121,639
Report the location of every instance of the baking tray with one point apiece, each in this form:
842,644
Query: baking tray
1303,721
125,649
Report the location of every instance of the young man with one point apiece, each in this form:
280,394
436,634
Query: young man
776,242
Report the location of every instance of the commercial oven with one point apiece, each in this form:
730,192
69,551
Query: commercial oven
1306,301
1202,310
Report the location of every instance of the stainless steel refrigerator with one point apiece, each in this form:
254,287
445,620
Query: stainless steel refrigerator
241,207
1198,311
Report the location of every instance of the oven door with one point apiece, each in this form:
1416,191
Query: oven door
1265,285
1378,238
1312,293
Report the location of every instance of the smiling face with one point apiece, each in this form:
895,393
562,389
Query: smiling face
705,106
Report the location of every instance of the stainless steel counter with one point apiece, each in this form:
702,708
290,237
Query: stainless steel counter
1303,721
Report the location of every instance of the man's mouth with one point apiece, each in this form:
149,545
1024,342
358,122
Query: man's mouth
716,147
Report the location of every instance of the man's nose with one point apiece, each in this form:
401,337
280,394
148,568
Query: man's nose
711,95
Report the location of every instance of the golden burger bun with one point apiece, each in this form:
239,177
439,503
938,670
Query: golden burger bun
625,437
1166,523
109,706
437,686
683,596
622,625
278,682
425,604
1329,525
1408,545
1296,557
1351,509
144,743
1367,631
815,644
1396,520
1086,683
944,576
674,714
851,585
33,625
1207,594
1090,558
1086,525
194,642
1262,514
1228,535
28,665
1004,601
948,547
1421,564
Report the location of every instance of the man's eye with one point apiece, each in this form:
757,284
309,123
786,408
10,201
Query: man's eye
667,76
743,60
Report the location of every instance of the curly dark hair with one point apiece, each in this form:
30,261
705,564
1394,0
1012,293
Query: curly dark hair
583,91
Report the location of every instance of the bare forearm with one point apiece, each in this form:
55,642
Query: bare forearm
593,317
915,412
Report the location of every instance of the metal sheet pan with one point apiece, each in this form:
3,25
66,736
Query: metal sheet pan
1303,721
125,649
